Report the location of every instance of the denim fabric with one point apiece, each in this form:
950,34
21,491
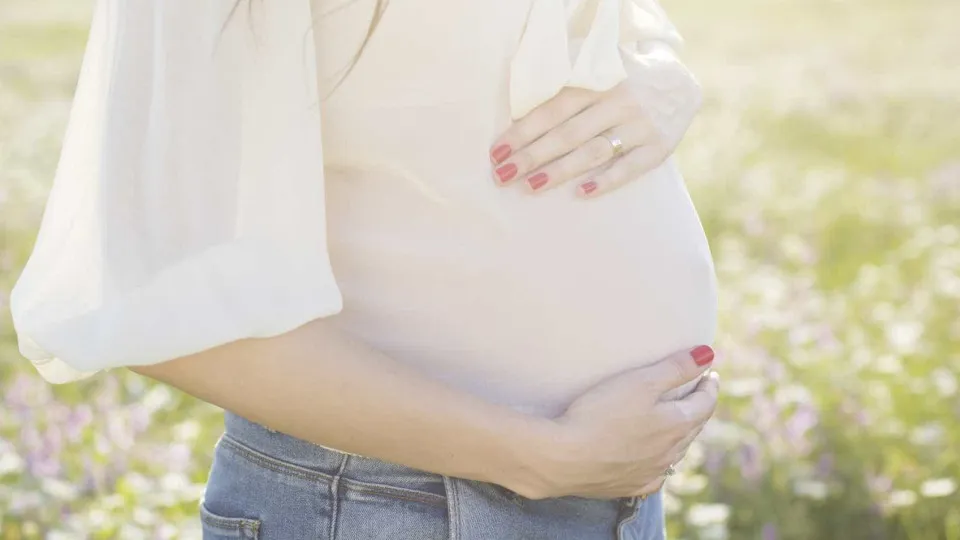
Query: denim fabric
266,485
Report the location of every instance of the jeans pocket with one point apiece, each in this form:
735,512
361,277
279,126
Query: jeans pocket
217,527
368,511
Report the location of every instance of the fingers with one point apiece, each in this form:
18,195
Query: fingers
676,369
631,166
588,155
537,163
680,449
696,408
541,120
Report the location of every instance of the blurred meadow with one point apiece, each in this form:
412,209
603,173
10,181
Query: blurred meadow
826,169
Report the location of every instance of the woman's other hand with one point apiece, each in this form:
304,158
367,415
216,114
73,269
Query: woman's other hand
602,139
619,438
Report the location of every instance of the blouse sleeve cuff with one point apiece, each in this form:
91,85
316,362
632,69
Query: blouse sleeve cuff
240,290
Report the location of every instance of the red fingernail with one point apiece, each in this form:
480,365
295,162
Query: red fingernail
702,355
506,172
588,187
500,153
538,180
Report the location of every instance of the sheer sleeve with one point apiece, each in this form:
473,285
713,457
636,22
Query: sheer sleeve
597,44
670,94
188,205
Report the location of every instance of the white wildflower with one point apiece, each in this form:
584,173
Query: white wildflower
157,398
717,531
927,434
695,457
186,431
193,492
883,311
948,235
904,335
945,381
722,433
888,364
742,387
58,489
688,485
791,394
10,463
811,489
144,517
112,501
64,535
138,483
173,482
938,487
131,532
671,504
97,518
902,498
703,515
167,531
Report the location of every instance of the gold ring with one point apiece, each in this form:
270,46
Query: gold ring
615,142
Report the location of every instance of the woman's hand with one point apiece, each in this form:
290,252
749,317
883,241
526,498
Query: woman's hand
604,139
619,438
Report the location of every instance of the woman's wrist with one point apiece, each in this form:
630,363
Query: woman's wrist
526,446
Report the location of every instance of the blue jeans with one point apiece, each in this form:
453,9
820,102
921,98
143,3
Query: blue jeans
266,485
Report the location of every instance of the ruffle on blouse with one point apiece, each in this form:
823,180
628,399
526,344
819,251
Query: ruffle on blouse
579,43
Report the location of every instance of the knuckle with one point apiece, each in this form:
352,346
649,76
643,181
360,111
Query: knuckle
677,418
524,160
569,106
527,129
575,99
560,171
597,151
651,387
689,419
566,136
678,371
631,109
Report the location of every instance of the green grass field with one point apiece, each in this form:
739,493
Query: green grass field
826,168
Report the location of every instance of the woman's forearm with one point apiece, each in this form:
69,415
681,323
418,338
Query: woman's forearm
318,385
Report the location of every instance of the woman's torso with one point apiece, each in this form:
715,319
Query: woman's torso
525,300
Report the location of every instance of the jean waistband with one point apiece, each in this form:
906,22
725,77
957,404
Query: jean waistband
326,461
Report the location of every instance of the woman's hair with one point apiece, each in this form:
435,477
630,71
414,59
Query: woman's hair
379,7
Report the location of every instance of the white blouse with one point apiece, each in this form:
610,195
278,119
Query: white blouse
196,196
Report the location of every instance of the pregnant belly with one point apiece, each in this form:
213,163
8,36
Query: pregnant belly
526,301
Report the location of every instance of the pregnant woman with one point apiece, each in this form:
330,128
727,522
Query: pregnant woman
410,342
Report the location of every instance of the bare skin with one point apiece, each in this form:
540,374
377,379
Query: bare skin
570,136
316,384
